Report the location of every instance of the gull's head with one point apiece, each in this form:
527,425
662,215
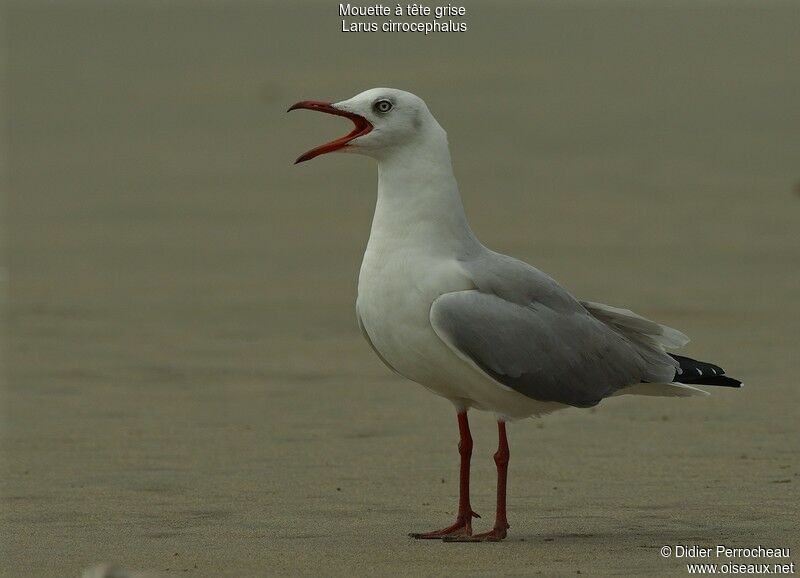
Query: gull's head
385,119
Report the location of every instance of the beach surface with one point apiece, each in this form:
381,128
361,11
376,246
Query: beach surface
186,390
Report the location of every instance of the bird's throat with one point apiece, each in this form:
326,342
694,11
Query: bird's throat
418,199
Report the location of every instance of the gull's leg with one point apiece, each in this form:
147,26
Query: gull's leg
463,523
501,522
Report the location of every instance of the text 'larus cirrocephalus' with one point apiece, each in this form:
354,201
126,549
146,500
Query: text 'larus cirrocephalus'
482,329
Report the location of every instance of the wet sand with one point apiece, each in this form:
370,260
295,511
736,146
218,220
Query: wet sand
187,391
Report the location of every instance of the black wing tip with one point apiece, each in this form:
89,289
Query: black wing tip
719,380
695,372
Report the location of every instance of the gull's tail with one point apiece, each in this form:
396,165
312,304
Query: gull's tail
652,339
695,372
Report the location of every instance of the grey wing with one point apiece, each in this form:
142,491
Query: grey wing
548,354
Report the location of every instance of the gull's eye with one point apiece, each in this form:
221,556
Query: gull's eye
382,106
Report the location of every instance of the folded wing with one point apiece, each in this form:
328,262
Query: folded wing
549,354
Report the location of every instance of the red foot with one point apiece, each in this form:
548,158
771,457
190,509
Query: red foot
461,528
494,535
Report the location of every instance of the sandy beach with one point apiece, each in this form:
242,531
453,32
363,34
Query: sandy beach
186,390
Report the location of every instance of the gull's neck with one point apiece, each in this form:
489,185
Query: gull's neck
419,204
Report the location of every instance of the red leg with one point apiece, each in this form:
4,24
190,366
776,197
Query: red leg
501,522
463,523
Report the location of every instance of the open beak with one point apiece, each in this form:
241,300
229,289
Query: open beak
363,126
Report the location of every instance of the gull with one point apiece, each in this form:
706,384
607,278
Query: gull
481,329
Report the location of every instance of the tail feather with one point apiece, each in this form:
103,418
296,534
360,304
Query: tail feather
661,390
702,373
651,339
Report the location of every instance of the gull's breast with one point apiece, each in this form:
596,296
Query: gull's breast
396,289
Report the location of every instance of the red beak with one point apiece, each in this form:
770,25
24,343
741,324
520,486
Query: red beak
363,126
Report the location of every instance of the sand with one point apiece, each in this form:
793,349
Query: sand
187,392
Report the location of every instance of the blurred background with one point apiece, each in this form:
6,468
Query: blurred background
186,388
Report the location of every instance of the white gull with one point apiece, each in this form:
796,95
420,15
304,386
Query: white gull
484,330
